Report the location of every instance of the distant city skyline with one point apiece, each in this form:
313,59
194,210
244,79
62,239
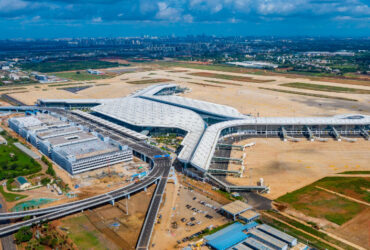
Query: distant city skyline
114,18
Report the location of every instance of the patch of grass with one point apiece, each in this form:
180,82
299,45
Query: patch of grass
321,204
12,89
13,162
356,172
80,235
326,88
356,187
149,81
58,66
206,85
309,94
226,83
229,196
81,76
10,197
229,77
215,67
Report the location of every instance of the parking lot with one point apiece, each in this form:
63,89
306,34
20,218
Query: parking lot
191,214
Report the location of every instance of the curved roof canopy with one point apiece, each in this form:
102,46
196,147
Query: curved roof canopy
145,113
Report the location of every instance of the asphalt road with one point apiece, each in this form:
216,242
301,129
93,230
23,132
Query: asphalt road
150,218
159,172
7,242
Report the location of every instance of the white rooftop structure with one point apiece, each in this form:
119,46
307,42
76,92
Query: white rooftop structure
153,89
145,113
203,155
111,125
146,108
200,106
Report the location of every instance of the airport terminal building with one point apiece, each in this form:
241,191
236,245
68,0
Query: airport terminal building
205,125
69,145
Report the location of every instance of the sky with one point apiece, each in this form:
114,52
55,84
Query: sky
120,18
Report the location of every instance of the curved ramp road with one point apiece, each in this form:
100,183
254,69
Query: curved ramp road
160,171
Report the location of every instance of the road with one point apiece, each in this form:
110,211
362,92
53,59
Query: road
160,171
7,242
147,229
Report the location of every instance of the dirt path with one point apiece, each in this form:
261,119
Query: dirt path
296,228
325,232
344,196
350,175
162,238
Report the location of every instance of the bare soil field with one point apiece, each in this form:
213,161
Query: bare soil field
298,163
356,230
248,98
228,77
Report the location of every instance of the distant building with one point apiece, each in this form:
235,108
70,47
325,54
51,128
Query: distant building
95,72
14,77
41,78
5,67
22,183
254,64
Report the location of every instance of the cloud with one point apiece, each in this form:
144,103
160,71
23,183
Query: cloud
166,12
97,20
183,11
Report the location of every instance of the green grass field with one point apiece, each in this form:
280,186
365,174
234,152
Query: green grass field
81,76
321,204
356,172
58,66
13,162
326,88
356,187
309,94
83,238
9,197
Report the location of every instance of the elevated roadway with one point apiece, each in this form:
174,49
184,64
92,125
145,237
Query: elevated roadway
159,173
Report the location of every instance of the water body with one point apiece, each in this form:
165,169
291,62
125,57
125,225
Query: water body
31,204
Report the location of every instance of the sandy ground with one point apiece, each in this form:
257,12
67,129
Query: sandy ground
298,163
247,98
357,229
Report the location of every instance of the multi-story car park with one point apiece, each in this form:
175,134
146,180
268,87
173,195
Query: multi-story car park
68,145
204,124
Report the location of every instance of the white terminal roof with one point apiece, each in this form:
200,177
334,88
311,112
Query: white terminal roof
111,125
146,109
203,155
200,106
153,89
146,113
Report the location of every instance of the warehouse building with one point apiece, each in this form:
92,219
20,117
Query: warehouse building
69,145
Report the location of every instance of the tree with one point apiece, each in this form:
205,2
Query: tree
24,234
45,181
50,171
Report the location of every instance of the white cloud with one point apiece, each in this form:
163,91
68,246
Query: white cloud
188,18
97,20
12,5
166,12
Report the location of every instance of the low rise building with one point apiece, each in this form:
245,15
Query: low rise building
23,183
69,145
